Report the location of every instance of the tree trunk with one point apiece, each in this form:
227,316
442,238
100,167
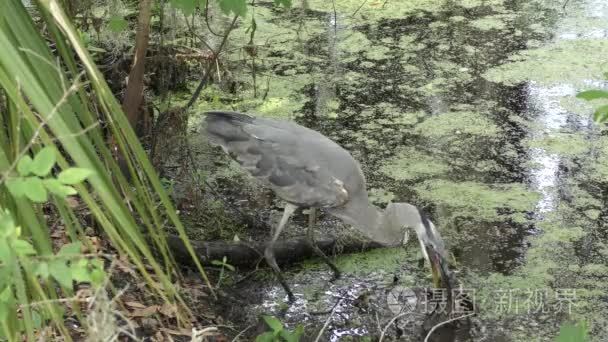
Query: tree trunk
132,101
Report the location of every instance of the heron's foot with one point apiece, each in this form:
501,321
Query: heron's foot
290,297
272,262
324,257
337,273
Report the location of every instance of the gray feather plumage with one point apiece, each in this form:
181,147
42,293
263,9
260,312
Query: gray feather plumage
302,166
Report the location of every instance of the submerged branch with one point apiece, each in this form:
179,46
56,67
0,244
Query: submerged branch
248,255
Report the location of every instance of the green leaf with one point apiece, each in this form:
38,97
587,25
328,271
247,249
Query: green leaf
273,323
43,161
573,333
601,114
593,95
24,165
286,3
98,275
55,187
36,319
6,295
223,264
265,337
238,7
6,221
96,49
80,271
16,186
7,300
117,24
61,272
188,6
42,270
5,252
70,249
34,190
23,248
73,175
294,336
299,331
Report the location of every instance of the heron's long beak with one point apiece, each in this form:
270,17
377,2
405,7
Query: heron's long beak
439,269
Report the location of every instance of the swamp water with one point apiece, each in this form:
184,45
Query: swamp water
467,109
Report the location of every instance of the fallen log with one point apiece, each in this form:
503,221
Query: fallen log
248,254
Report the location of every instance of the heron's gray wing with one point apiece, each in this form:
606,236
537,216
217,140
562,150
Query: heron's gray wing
279,153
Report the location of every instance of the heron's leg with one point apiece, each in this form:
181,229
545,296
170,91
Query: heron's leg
310,235
269,251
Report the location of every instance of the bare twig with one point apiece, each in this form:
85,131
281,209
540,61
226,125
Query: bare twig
340,299
358,8
241,333
327,321
194,34
77,134
207,20
391,323
203,82
444,323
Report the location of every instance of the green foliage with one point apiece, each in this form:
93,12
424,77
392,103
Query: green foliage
592,95
286,3
117,24
573,333
238,7
34,187
224,265
19,259
188,6
601,113
57,97
278,332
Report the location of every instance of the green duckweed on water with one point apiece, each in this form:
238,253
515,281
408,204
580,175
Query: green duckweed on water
470,199
410,164
569,59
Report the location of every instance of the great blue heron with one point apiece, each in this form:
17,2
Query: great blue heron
307,169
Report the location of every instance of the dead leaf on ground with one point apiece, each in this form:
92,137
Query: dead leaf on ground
136,305
145,312
180,332
58,233
72,202
124,266
159,337
168,309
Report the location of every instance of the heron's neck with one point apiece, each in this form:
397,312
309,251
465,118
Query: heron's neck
361,214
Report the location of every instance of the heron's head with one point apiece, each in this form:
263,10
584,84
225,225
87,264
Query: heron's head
399,219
